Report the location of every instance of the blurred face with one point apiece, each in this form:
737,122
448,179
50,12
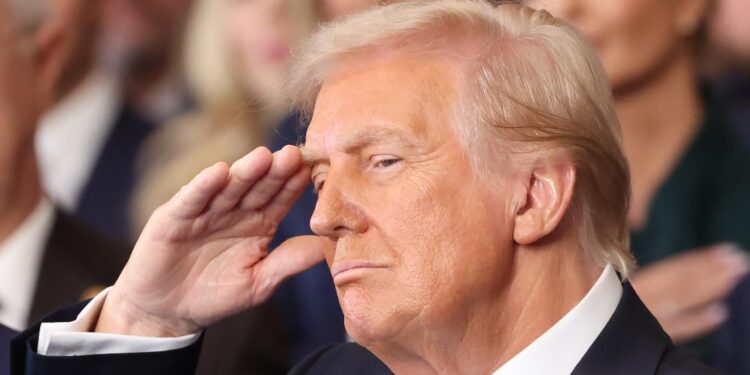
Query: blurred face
340,8
634,38
420,240
260,33
65,43
144,28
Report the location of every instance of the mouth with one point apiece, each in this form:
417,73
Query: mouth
344,270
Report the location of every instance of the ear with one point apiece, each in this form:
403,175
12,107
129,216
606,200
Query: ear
548,195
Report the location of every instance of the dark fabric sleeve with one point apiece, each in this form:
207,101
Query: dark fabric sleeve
25,360
733,338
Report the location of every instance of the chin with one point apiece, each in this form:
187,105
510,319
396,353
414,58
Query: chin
369,321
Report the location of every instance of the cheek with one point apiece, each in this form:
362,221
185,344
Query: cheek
445,235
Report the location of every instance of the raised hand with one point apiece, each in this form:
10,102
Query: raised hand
204,254
686,292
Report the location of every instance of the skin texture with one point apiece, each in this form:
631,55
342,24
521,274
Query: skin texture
64,46
730,33
340,8
437,270
647,49
617,28
19,109
383,197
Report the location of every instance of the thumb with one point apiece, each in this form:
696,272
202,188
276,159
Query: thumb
293,256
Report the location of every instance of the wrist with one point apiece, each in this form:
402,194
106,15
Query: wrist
119,316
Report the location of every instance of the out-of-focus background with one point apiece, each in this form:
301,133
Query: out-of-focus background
107,107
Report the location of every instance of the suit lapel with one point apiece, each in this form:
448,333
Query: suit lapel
632,342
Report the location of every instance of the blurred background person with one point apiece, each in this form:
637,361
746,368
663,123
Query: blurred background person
333,9
727,61
46,256
118,85
236,56
690,204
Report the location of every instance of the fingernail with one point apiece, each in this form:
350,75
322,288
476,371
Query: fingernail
733,258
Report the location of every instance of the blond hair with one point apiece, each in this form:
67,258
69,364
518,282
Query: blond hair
530,81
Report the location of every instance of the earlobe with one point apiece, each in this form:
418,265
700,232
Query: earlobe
548,195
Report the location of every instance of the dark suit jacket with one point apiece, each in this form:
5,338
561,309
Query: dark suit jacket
77,261
631,343
5,335
733,339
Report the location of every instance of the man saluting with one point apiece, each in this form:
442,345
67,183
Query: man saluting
472,205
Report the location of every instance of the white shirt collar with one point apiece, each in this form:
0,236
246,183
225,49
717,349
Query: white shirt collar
20,259
72,134
560,348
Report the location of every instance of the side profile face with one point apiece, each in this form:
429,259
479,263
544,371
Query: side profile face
634,38
420,238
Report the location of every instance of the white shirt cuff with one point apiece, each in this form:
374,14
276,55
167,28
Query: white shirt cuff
75,338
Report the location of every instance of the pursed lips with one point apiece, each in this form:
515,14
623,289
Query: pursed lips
342,268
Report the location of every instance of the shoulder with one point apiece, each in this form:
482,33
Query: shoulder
347,358
678,360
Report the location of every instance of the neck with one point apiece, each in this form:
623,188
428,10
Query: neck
661,107
543,284
659,118
20,195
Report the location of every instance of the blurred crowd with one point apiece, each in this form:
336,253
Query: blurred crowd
108,107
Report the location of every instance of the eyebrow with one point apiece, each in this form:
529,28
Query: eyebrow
356,140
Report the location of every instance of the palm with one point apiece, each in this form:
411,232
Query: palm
204,255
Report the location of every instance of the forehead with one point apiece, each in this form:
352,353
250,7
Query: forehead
375,96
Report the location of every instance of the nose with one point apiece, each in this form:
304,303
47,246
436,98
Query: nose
337,212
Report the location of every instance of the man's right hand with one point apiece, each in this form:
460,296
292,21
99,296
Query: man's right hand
204,255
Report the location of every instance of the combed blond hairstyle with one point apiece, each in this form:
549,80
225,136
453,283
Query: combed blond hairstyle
530,84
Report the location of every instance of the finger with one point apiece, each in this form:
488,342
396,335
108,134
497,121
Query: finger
289,194
696,323
193,198
242,175
285,162
722,268
293,256
689,280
